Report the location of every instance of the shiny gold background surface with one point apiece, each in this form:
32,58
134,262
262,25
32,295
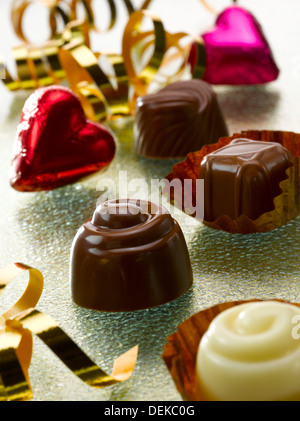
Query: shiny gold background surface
38,228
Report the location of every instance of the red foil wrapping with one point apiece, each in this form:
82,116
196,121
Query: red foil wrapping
55,143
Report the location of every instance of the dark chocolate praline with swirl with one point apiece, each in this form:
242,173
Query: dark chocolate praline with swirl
132,255
180,118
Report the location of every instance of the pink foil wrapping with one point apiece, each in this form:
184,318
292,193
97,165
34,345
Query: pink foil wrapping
237,52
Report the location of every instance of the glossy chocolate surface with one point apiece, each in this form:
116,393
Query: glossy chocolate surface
180,118
131,255
243,178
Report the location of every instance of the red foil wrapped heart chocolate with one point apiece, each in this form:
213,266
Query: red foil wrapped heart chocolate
237,52
55,143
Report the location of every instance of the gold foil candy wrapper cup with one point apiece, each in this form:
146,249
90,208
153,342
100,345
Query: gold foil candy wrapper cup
180,351
286,205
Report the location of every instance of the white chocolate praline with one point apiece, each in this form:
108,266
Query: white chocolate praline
251,352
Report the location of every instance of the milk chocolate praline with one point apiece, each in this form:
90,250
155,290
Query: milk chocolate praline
180,118
243,178
132,255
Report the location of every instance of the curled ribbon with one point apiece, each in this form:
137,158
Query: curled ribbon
106,96
67,11
90,16
56,11
107,84
16,328
40,66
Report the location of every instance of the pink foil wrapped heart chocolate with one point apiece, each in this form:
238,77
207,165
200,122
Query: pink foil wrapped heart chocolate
55,143
237,52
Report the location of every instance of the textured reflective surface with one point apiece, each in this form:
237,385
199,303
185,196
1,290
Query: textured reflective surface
38,229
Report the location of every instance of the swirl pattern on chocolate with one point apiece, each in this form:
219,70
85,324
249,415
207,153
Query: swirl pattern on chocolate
180,118
131,255
250,352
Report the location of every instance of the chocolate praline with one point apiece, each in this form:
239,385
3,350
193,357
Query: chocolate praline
243,178
180,118
132,255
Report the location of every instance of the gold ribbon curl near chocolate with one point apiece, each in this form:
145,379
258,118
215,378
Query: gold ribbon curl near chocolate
106,96
102,96
166,49
39,66
110,93
163,42
16,328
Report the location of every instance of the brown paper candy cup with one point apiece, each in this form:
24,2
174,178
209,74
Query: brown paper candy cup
180,351
286,205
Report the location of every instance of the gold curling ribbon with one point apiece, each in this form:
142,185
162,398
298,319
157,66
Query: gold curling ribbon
67,11
163,43
19,8
90,16
99,97
40,66
106,96
111,93
131,38
16,328
89,13
103,96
